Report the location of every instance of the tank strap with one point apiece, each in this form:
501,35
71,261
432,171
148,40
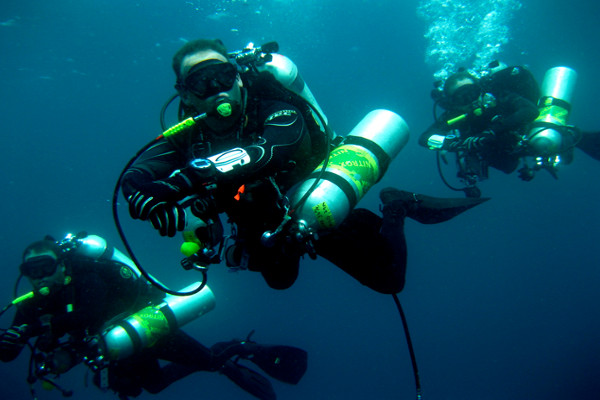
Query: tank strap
339,182
170,316
133,335
380,154
547,101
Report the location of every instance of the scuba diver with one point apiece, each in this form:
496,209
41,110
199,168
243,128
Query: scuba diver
255,151
500,117
483,123
89,305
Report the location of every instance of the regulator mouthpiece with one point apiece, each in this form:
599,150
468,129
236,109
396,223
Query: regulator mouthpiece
224,109
45,291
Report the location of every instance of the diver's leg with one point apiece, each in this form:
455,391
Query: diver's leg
187,355
359,248
285,363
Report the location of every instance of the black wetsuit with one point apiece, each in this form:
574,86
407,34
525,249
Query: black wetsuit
507,119
281,146
103,291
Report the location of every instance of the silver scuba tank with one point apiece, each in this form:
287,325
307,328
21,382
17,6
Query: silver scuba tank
352,169
554,105
143,328
96,247
286,72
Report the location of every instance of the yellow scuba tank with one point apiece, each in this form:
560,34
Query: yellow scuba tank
143,328
554,105
352,169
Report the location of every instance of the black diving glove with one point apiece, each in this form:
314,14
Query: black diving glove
14,337
157,202
479,142
451,143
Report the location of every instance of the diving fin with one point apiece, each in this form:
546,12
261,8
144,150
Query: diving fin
426,209
284,363
590,144
249,380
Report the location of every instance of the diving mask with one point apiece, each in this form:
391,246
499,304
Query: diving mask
208,78
39,267
465,95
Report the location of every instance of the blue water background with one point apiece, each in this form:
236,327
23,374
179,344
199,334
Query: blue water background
502,302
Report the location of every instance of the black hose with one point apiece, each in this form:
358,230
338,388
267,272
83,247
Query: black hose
439,167
413,359
163,110
144,273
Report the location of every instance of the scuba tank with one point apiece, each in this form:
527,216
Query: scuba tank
143,328
353,167
545,137
286,72
97,248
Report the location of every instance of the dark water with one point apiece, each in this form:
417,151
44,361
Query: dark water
502,302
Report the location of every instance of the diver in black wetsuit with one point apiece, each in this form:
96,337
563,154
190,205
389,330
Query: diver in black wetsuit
495,121
76,296
244,161
483,124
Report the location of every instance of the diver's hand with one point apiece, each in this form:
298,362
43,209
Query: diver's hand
93,354
479,142
451,143
168,218
157,202
14,337
152,195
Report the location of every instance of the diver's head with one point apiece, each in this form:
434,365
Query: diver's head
461,90
43,264
207,83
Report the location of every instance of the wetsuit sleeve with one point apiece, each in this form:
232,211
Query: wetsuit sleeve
157,162
515,112
284,138
438,128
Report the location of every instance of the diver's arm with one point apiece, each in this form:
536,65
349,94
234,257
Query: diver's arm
435,136
157,162
515,112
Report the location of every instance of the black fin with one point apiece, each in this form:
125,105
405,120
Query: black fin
590,144
427,209
285,363
249,380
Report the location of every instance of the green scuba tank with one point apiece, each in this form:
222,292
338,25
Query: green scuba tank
352,169
545,137
143,328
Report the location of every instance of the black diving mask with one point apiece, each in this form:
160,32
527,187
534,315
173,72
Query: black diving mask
208,80
39,267
465,95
